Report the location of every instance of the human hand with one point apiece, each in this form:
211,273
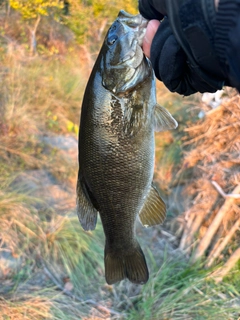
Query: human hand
152,29
149,35
184,59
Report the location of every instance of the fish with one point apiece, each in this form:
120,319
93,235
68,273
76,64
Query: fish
119,115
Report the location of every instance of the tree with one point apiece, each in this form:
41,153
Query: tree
32,11
89,19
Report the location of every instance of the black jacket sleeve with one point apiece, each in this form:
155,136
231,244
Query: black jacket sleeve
227,39
224,38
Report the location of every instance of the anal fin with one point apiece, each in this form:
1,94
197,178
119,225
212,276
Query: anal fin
153,211
86,211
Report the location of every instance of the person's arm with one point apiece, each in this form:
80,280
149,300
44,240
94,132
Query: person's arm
186,49
227,39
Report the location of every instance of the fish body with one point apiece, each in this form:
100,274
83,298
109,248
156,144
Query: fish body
116,148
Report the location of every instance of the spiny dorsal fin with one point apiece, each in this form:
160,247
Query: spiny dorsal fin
153,211
163,120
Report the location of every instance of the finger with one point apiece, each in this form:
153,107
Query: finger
150,32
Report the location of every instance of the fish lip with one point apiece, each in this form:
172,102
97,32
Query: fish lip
140,39
125,17
137,22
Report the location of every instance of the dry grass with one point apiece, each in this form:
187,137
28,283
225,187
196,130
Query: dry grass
169,149
42,88
38,308
211,164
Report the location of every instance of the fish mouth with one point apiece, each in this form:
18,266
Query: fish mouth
135,26
130,57
125,65
125,38
137,23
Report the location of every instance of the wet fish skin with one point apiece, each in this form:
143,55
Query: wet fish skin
116,148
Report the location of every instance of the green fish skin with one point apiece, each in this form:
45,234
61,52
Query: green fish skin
116,148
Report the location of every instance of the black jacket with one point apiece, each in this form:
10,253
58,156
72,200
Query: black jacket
227,39
224,37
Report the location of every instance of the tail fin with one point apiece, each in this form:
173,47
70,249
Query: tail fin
131,265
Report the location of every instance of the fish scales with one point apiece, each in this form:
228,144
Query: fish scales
116,148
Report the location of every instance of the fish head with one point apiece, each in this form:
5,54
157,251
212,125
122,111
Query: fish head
124,63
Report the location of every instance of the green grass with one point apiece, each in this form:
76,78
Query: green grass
46,89
178,291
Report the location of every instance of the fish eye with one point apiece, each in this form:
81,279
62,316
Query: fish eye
112,39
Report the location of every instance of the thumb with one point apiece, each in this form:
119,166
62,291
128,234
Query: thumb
149,35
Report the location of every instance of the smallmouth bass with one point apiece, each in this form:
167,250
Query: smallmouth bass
116,148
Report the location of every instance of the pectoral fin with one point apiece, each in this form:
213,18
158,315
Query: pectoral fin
86,205
163,120
153,211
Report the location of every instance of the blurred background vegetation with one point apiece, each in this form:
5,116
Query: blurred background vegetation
49,267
